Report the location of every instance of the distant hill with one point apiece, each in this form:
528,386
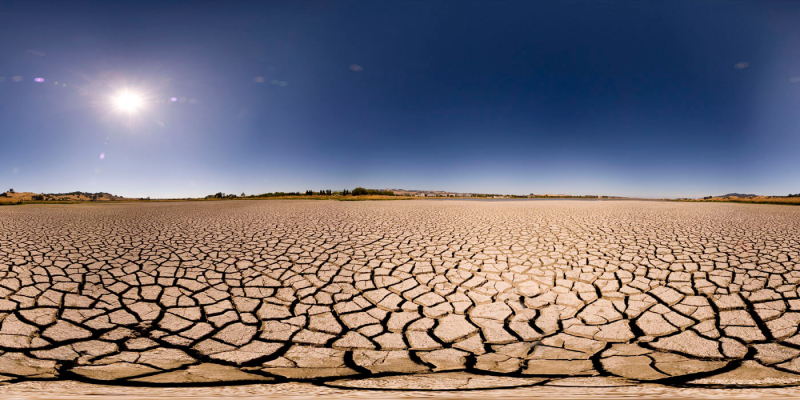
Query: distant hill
740,195
11,197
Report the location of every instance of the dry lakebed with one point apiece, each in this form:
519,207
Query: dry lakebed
382,299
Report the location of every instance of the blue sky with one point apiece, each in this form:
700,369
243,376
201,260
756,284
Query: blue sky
644,98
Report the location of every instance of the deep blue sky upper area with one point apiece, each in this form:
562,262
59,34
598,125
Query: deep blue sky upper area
639,98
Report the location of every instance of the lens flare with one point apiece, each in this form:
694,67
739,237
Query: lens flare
128,102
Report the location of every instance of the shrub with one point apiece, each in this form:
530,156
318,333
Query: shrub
360,191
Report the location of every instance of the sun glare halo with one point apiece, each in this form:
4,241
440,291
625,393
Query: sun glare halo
128,102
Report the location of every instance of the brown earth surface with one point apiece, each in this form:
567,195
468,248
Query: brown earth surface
571,388
517,296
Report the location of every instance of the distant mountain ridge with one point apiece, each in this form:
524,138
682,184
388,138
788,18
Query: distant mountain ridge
14,196
743,195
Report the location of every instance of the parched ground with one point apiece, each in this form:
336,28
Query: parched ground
418,295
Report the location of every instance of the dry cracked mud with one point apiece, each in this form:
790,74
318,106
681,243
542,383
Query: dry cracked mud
417,295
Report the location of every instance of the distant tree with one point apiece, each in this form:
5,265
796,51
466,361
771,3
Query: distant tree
38,197
11,191
359,191
242,195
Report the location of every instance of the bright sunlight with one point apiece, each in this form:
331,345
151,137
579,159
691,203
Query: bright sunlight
128,102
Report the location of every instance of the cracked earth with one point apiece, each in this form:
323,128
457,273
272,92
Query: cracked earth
402,295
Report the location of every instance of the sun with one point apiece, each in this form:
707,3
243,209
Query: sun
128,102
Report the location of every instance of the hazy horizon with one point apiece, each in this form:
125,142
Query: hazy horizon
396,189
171,99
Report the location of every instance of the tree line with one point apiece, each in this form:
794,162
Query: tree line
359,191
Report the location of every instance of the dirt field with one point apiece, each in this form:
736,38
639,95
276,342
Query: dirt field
644,297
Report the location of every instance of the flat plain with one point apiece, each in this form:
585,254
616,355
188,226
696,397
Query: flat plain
335,298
